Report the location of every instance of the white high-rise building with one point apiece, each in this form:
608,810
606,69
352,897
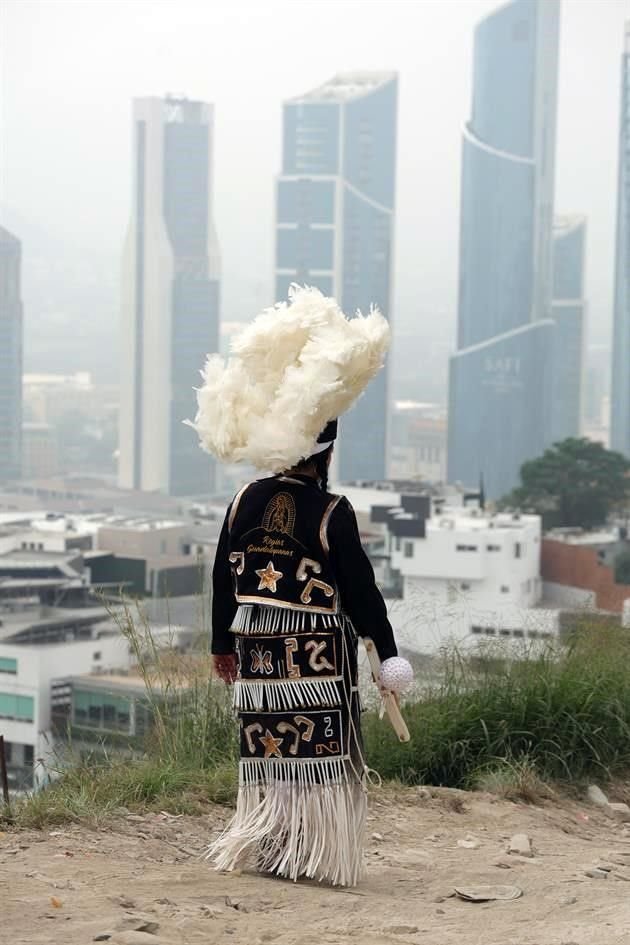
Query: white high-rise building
170,297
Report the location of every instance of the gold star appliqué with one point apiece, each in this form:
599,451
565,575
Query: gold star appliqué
269,578
271,745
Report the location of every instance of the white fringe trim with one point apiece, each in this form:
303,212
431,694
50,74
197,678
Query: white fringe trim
296,827
267,619
289,694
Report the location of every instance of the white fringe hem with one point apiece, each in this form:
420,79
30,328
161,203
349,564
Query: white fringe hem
297,829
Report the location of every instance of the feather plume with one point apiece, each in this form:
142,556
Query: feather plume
298,365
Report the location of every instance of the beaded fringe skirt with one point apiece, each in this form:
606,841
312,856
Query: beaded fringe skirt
302,804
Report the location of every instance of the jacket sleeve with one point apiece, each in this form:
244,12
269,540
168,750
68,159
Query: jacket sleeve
223,601
360,597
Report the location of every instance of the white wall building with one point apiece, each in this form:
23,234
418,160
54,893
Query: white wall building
26,673
466,575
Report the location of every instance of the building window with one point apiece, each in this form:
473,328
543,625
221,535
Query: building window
518,633
29,754
505,589
518,550
101,710
408,549
505,633
477,630
493,547
8,665
21,708
185,549
96,656
398,543
464,586
466,548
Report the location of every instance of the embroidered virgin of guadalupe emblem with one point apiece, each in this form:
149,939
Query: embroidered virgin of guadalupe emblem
280,514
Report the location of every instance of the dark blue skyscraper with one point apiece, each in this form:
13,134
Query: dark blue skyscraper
620,396
170,297
335,224
11,331
501,375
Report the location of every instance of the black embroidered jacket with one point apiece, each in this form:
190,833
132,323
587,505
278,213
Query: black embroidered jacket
286,543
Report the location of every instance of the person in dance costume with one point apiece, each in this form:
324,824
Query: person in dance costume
293,587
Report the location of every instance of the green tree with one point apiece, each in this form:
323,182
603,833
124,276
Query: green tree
575,483
622,568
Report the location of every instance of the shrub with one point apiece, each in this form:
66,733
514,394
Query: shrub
567,714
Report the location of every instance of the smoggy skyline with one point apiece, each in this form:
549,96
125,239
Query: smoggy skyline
70,70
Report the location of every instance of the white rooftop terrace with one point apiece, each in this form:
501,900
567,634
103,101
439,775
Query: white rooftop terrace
346,86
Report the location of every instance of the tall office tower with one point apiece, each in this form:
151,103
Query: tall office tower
569,313
335,225
170,297
620,394
11,331
500,382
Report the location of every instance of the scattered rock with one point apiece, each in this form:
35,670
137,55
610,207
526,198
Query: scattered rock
102,937
377,836
621,812
402,929
521,845
504,864
569,901
597,873
596,796
123,901
135,938
488,893
136,923
424,793
470,842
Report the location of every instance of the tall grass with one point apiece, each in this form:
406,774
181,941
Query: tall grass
193,722
566,715
504,724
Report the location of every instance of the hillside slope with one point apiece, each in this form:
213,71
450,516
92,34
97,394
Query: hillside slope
75,884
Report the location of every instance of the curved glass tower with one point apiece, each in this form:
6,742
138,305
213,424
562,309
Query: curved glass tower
501,376
335,224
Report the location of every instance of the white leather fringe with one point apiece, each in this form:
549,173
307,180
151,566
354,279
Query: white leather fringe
308,823
281,694
250,620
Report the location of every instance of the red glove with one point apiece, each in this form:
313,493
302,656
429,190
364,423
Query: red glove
225,667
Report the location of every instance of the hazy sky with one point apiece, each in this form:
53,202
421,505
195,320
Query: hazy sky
70,68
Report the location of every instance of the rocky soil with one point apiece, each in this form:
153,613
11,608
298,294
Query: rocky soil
138,880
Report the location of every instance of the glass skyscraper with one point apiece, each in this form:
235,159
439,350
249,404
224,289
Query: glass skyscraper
335,225
620,397
569,314
501,376
170,297
11,331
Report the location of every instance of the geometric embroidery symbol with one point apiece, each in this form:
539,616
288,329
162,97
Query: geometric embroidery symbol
261,662
316,648
269,578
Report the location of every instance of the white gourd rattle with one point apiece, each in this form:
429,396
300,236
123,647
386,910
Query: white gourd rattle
396,674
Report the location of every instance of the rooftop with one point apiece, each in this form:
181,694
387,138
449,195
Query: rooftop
346,86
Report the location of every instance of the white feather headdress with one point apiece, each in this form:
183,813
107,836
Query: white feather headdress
297,366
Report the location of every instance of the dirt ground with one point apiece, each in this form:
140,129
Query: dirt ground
139,879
